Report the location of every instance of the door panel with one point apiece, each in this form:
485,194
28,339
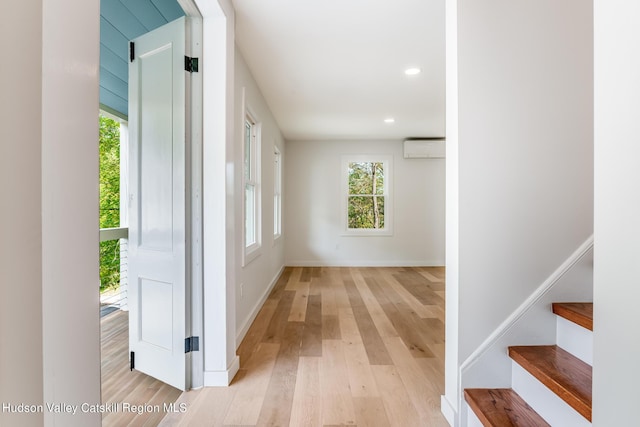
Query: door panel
157,257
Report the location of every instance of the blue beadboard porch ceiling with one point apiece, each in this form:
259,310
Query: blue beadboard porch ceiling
121,21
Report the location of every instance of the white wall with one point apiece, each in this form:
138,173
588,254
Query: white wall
525,153
20,218
313,208
617,213
259,275
50,331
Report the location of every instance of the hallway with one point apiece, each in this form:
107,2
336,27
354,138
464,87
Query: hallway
336,346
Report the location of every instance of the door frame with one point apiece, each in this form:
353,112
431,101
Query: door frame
193,155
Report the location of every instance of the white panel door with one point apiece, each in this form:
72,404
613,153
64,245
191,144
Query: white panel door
157,202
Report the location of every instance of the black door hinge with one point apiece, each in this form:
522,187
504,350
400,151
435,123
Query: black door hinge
191,64
191,344
132,51
132,361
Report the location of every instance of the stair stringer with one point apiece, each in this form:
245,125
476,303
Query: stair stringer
532,323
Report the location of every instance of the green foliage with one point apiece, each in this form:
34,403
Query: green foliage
109,200
366,195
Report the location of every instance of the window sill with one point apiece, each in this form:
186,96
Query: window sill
250,254
357,232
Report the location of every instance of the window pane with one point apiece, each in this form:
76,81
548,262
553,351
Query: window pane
250,209
366,212
360,181
366,178
378,174
247,150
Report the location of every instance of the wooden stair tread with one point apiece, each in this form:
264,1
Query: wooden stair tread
580,313
563,373
502,407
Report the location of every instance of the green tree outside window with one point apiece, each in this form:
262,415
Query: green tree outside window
109,200
366,195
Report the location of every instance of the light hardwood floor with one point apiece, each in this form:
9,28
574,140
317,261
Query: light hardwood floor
336,346
120,385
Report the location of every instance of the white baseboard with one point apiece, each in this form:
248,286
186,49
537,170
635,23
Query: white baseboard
222,378
360,263
448,410
256,309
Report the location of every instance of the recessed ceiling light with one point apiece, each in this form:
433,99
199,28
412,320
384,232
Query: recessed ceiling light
412,71
389,120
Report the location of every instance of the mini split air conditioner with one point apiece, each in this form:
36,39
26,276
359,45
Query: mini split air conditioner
424,148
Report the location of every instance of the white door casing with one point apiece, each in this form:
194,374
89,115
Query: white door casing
158,204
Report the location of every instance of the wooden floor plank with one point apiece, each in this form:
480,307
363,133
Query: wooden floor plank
348,325
312,334
276,409
422,392
429,275
380,319
397,404
307,399
376,351
370,412
278,322
400,317
361,379
331,328
337,404
299,306
255,334
281,284
251,391
329,306
414,283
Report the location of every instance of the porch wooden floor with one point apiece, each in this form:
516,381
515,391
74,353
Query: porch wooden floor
336,346
120,385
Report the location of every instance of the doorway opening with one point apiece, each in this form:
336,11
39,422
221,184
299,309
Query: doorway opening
120,385
121,381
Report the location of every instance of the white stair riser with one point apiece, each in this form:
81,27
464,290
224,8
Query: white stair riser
575,339
472,418
545,402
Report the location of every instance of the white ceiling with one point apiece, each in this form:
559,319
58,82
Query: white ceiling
334,69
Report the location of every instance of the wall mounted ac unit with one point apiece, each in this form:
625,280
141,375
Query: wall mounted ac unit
424,148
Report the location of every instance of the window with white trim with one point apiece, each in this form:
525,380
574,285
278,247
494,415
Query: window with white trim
367,204
251,180
277,193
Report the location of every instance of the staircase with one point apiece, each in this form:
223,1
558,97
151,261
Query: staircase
551,384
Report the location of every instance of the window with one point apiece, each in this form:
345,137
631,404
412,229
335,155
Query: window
251,186
367,199
277,193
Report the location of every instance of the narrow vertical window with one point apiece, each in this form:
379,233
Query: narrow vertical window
277,193
251,174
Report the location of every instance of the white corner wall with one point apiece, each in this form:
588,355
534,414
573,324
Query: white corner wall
313,208
49,307
21,255
220,360
617,214
255,279
525,155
